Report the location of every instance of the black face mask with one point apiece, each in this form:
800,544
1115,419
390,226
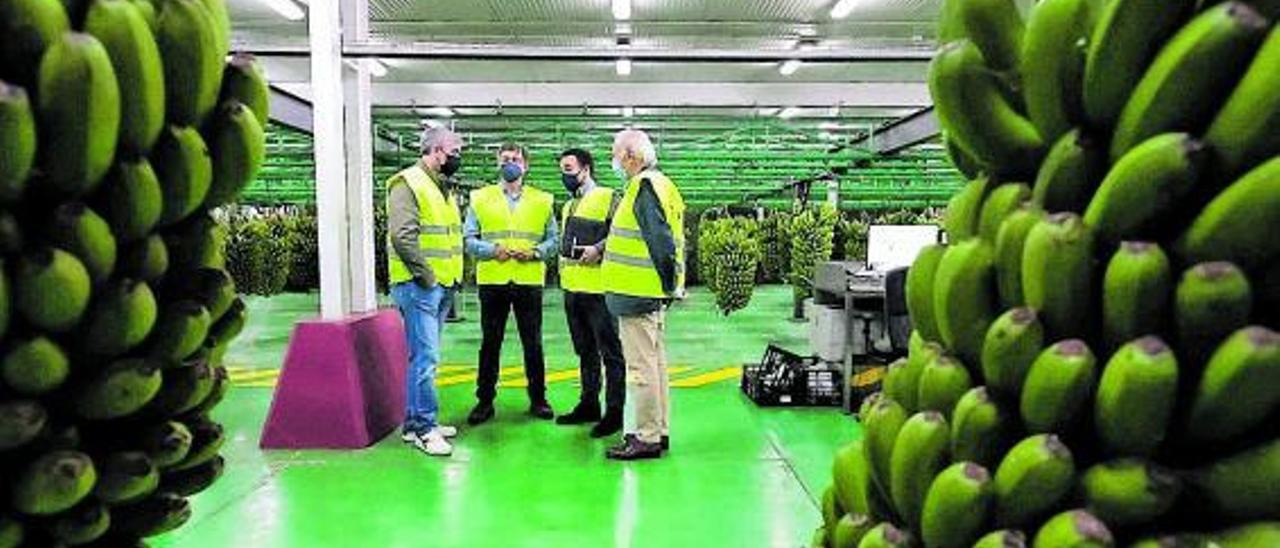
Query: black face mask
452,163
571,182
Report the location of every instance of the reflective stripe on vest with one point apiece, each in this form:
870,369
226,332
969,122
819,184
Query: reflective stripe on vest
439,230
575,276
628,269
521,228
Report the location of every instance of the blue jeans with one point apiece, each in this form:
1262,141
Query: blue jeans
424,312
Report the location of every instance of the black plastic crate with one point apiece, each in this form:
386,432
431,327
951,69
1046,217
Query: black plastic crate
783,378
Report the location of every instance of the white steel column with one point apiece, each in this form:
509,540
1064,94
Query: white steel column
359,162
325,35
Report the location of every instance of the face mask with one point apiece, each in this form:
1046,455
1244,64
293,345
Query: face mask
619,171
452,163
511,171
571,182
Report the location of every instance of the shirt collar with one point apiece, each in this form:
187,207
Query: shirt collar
587,186
433,174
515,193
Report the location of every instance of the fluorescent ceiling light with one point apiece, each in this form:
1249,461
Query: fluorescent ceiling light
628,112
789,112
622,28
768,111
286,8
789,67
842,9
439,112
829,126
622,9
376,67
624,67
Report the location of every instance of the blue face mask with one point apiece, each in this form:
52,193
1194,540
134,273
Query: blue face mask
511,171
620,171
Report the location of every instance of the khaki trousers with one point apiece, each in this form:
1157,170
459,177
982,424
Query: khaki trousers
644,349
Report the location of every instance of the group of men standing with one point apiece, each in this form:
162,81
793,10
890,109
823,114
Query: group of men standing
622,263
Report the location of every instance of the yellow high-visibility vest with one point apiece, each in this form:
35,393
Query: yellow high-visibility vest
575,276
519,229
439,229
627,269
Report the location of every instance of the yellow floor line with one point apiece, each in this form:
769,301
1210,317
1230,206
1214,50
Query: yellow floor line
461,378
708,378
254,376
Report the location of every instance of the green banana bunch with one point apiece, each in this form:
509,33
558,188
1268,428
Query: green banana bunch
1074,529
1070,173
812,242
1125,38
124,32
82,524
125,477
1129,492
730,256
1143,187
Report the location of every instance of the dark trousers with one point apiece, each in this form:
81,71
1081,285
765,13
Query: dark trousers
595,339
496,302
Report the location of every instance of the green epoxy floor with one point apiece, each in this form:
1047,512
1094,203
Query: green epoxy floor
738,475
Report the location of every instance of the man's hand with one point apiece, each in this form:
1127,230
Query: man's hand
502,254
590,255
523,256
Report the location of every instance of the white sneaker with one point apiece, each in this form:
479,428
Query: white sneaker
446,431
433,443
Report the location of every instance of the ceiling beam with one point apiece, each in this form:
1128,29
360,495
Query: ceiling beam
295,112
903,133
480,94
422,50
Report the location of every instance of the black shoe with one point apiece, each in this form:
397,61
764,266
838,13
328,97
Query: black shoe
634,449
542,410
611,424
480,414
582,414
665,443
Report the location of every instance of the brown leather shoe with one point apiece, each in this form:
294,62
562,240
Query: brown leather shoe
665,443
634,449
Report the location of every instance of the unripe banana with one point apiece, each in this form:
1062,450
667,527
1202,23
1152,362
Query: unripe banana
980,429
83,524
155,515
51,289
964,210
1129,491
1135,397
18,133
851,475
917,356
121,389
182,163
964,297
1211,302
1243,134
124,33
1058,387
197,243
1010,243
78,106
996,27
1238,389
125,477
1125,39
1135,293
1144,187
849,530
1191,76
883,424
85,234
1004,538
962,160
1003,201
919,289
195,480
206,439
243,81
182,390
192,62
222,383
1058,275
957,506
237,146
147,9
166,444
34,366
895,380
1070,173
53,483
221,23
1228,228
1074,529
1177,540
12,533
1247,536
30,27
919,453
21,421
230,325
885,535
146,259
1011,345
131,200
973,110
180,331
942,383
121,317
1052,65
1242,487
1032,480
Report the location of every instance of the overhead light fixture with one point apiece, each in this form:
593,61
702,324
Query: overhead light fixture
439,112
376,67
624,67
829,126
842,9
628,112
789,67
286,8
767,111
432,123
622,9
789,112
622,28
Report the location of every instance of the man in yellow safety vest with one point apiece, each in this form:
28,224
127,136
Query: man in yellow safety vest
424,237
592,328
510,229
643,272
